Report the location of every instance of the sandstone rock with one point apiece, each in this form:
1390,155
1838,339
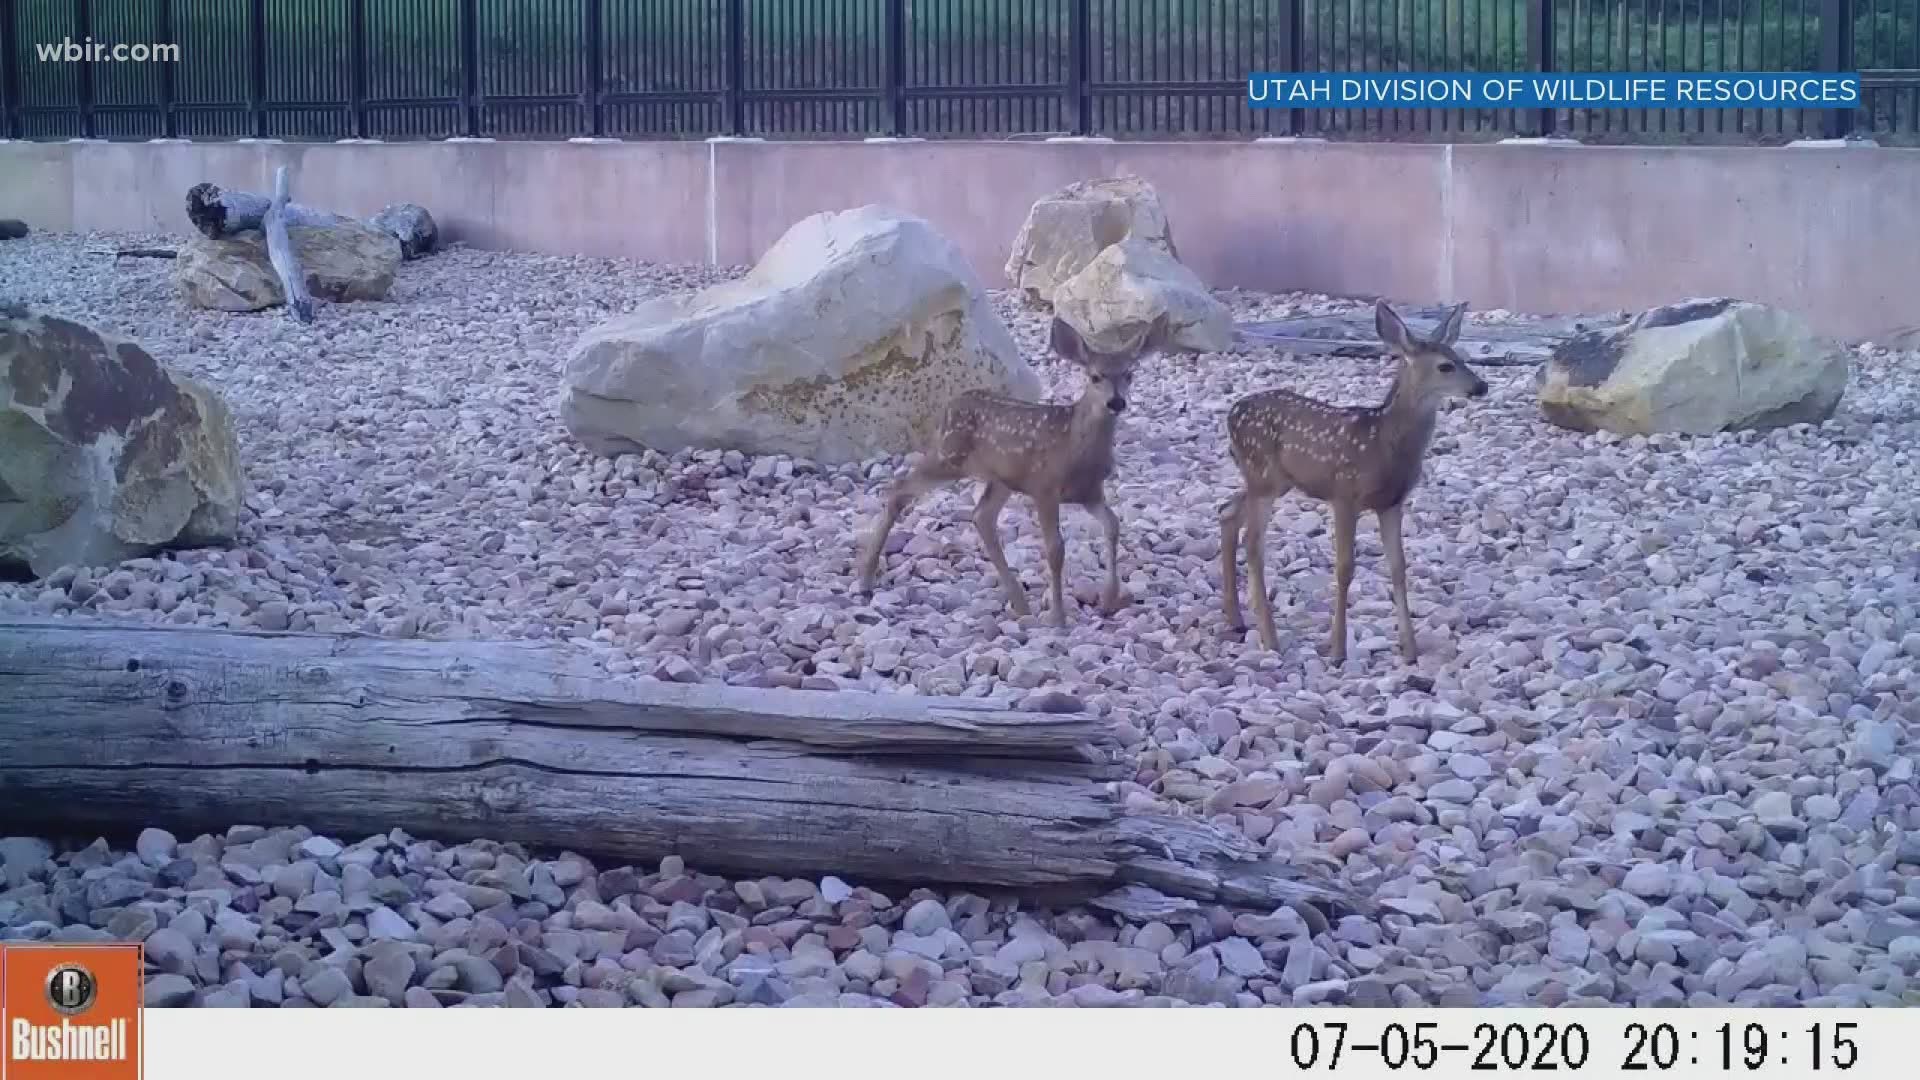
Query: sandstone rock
1065,231
846,341
104,454
409,224
1697,367
344,261
1118,295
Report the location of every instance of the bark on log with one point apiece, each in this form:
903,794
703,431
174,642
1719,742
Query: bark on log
119,726
280,252
220,214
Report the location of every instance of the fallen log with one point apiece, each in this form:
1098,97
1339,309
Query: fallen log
1516,344
281,253
219,213
120,726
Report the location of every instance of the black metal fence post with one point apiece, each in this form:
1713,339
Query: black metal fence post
470,68
734,98
1293,49
895,74
1079,56
596,72
10,67
257,69
357,68
1836,54
1540,47
83,16
163,35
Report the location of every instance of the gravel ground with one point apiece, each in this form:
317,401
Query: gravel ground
1659,748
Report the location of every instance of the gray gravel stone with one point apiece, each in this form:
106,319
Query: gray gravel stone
166,991
1649,880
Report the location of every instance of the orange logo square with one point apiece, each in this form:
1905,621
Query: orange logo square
71,1012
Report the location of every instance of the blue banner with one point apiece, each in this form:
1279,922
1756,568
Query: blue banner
1533,90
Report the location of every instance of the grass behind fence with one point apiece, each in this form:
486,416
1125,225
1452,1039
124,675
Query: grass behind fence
971,67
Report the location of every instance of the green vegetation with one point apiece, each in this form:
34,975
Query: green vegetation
538,48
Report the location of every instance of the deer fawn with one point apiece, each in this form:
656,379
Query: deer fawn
1354,458
1052,454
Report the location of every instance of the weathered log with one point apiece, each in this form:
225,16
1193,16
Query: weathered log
1517,344
281,253
220,214
119,726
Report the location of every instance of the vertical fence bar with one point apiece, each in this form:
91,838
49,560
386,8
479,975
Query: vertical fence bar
596,67
10,66
257,68
1293,50
163,35
894,73
1836,54
1540,46
470,68
83,15
733,98
357,68
1079,53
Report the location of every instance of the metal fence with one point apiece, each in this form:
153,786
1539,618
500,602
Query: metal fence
653,69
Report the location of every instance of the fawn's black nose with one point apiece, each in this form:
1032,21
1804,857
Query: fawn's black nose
1478,391
1117,404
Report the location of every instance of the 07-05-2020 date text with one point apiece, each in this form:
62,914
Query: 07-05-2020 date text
1796,1048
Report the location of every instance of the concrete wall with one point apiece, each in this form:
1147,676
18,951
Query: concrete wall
1831,232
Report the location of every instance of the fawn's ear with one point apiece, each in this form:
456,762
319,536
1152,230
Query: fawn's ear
1392,331
1066,341
1449,330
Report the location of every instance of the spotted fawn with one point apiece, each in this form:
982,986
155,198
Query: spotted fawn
1051,453
1353,458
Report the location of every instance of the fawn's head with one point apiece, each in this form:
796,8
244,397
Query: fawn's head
1109,374
1429,368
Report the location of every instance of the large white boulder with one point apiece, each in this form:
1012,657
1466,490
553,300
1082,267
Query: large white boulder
1697,367
104,454
845,342
343,260
1066,230
1117,296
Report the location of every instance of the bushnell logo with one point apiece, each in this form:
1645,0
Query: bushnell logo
72,1011
71,989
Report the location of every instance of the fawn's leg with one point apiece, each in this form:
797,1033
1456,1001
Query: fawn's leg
1110,600
1397,567
1253,518
986,519
1048,511
1344,517
1230,517
901,495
